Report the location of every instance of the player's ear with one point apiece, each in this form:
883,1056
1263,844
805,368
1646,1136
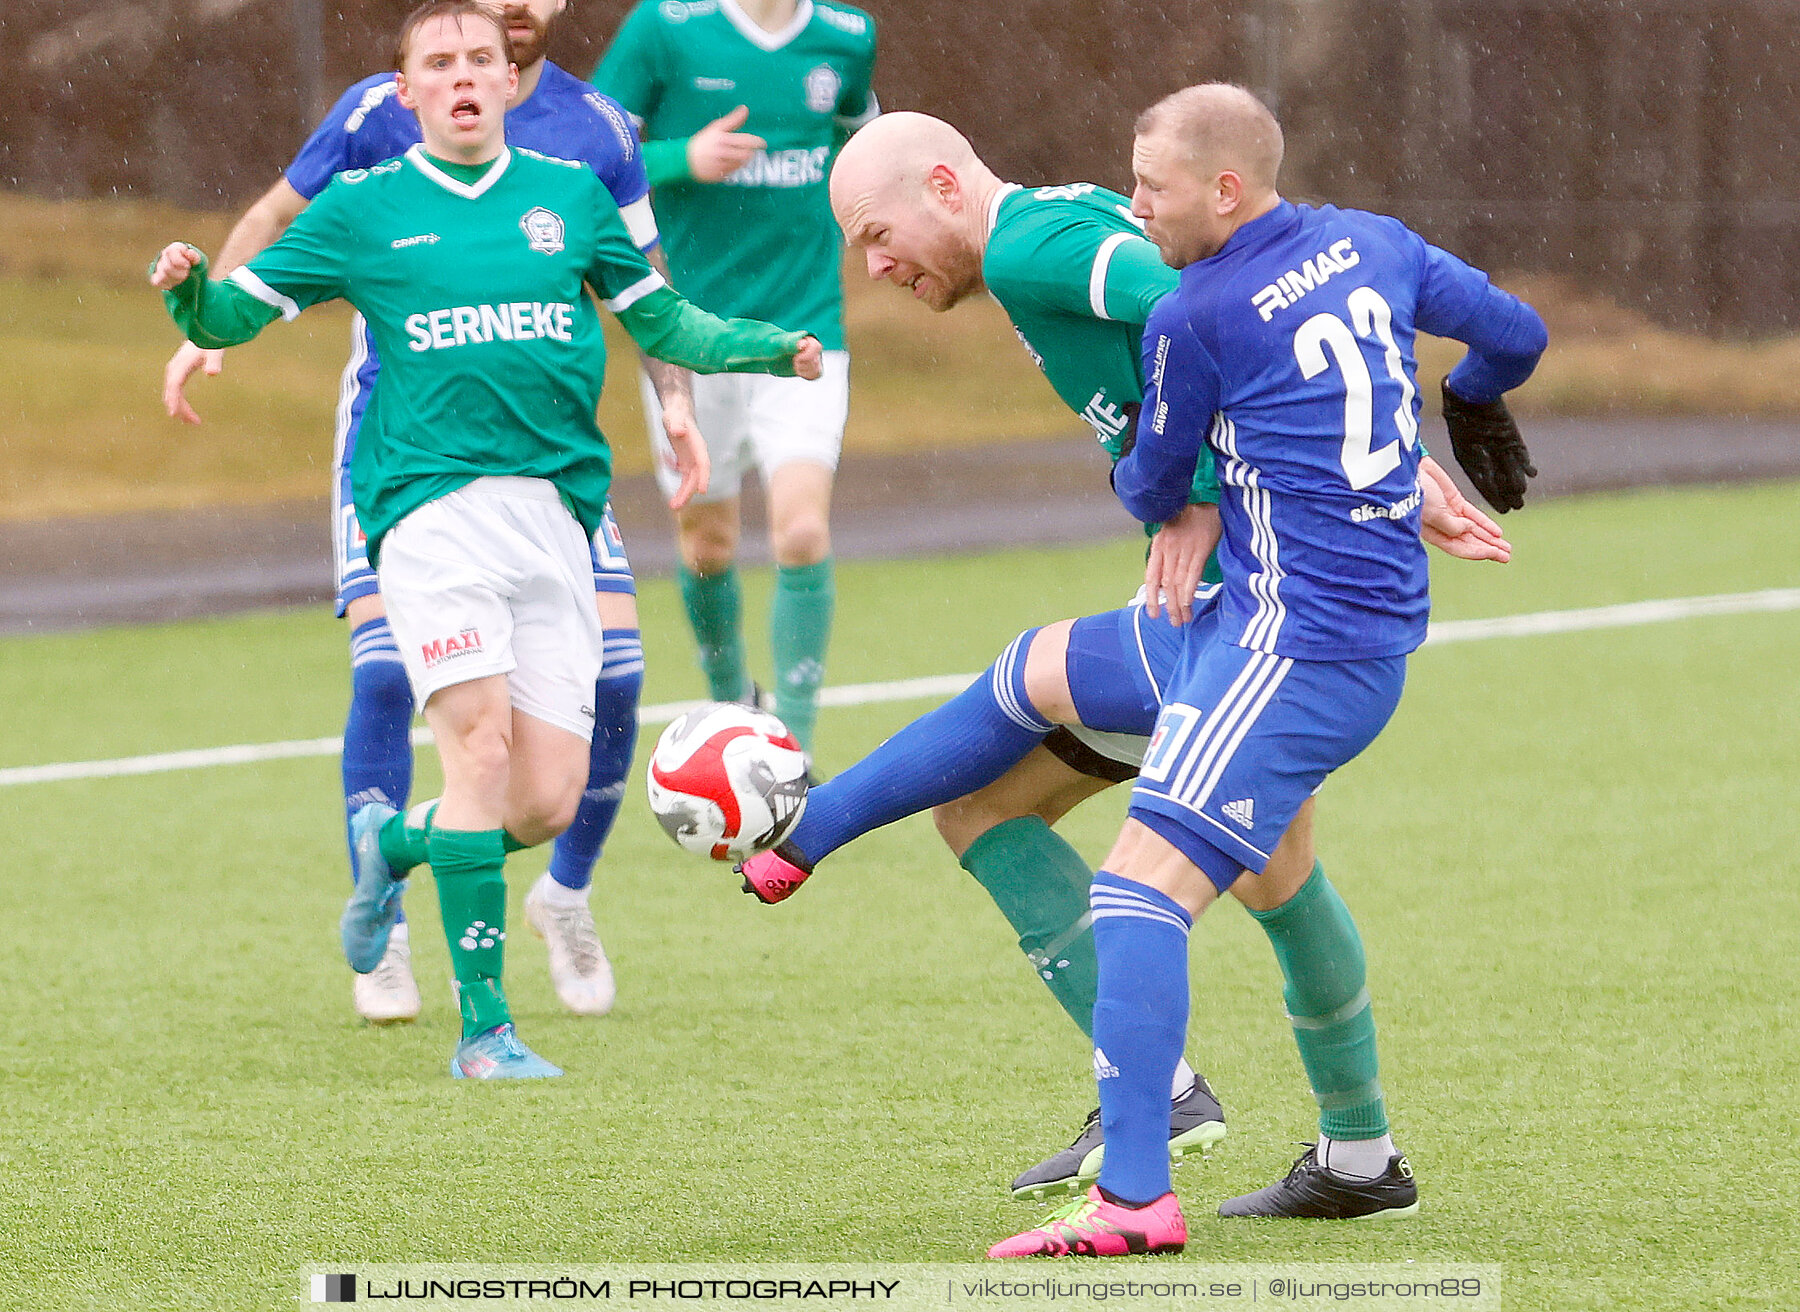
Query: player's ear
945,187
403,93
1230,193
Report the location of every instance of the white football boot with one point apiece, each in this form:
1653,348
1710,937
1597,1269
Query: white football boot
578,966
388,995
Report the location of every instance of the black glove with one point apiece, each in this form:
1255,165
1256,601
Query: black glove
1489,449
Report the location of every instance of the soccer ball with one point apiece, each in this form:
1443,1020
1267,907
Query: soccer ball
727,781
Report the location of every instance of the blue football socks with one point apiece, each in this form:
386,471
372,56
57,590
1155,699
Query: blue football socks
378,757
609,763
1140,1024
962,746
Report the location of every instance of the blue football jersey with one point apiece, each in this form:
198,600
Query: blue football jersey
563,117
1290,352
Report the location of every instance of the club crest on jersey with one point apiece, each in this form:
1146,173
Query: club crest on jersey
543,229
822,87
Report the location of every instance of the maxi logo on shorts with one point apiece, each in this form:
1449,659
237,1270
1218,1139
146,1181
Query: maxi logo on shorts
439,650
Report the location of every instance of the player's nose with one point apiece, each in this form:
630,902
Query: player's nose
879,265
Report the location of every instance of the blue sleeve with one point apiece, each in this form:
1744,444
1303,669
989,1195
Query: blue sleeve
364,127
1504,335
1181,394
623,168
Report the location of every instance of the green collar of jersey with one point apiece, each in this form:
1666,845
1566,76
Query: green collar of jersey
439,173
758,35
993,214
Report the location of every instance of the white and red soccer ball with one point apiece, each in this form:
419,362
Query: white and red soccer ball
727,781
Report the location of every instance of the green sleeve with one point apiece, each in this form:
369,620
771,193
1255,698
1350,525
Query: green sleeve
213,314
680,332
633,72
667,161
667,326
1205,488
1136,279
856,102
1081,266
305,266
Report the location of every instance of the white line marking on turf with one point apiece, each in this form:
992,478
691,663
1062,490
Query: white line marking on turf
943,685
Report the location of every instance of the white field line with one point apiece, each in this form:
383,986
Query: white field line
943,685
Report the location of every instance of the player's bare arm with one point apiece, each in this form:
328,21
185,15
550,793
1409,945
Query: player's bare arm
260,225
674,388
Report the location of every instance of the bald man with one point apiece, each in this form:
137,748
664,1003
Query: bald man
1073,270
1287,349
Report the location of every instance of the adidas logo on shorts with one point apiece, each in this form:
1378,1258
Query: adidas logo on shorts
1242,811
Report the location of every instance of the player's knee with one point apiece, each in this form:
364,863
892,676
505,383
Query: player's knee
803,539
549,809
1047,673
482,756
961,822
708,553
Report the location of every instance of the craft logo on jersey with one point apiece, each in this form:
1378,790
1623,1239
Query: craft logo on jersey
350,177
822,87
439,650
543,229
675,11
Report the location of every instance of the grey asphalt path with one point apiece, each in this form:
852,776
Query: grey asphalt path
82,573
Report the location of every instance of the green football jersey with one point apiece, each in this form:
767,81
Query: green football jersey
1077,277
491,352
763,242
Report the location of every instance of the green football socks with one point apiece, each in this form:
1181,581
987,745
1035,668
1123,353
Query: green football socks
800,629
1040,884
715,610
404,838
470,866
1321,957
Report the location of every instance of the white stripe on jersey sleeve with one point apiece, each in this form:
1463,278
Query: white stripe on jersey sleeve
1097,278
247,281
640,222
635,293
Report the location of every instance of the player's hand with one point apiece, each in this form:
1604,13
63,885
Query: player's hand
718,150
809,360
1178,555
173,266
180,368
1450,523
1489,449
692,460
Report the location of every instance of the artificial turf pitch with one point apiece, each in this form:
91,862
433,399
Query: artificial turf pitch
1572,858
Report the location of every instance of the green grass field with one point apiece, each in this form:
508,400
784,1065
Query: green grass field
1572,858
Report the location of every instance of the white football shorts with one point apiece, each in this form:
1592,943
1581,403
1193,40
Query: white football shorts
756,419
497,578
